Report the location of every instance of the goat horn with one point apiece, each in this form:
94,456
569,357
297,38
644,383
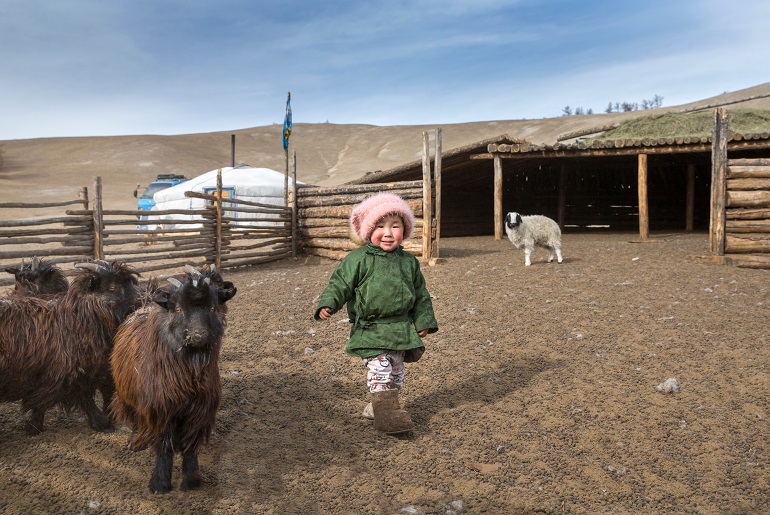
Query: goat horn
175,282
190,270
35,263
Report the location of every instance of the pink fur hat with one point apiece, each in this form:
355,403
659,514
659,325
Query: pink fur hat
364,217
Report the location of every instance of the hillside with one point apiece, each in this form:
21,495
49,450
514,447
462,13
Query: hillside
327,154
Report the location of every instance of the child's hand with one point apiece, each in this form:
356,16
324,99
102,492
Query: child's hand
423,333
325,313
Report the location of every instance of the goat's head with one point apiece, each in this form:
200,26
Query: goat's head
113,285
195,309
39,278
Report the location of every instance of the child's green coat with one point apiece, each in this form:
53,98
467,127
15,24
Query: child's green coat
386,297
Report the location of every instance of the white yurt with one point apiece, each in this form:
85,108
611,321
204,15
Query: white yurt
261,185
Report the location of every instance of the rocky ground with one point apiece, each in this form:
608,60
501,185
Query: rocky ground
538,394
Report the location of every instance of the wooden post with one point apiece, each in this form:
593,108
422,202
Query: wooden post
98,220
498,197
218,231
644,215
232,150
427,201
718,183
437,174
690,214
83,196
294,206
286,181
562,195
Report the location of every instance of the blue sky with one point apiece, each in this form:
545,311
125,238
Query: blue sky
126,67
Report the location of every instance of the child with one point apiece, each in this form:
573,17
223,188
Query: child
387,303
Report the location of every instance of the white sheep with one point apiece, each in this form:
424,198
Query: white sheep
533,230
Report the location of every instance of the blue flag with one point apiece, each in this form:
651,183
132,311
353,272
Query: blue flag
287,123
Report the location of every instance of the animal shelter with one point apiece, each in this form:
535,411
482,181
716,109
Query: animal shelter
608,183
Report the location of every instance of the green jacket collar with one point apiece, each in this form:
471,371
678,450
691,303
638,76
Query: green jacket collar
371,248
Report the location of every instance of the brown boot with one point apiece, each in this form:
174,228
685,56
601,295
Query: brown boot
388,415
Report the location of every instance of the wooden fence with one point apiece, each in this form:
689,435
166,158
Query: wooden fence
324,213
228,234
740,204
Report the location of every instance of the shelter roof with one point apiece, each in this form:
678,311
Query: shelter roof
471,157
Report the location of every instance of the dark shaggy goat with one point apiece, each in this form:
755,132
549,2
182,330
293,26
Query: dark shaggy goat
166,369
38,278
55,350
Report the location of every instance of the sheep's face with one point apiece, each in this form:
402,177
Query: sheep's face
513,220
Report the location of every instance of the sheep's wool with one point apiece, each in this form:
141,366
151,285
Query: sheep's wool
364,217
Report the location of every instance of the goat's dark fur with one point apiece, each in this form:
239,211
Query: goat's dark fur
166,369
38,278
55,350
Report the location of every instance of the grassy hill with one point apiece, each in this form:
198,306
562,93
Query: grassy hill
327,154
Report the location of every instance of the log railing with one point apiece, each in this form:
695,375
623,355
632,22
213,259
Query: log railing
229,234
324,213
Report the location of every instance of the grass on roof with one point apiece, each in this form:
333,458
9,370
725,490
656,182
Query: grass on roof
740,120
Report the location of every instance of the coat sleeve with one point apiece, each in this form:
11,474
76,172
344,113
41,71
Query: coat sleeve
341,287
422,312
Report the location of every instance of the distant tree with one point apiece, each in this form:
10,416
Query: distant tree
617,107
629,106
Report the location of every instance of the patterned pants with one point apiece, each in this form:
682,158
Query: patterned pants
385,372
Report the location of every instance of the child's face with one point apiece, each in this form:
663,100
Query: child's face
388,233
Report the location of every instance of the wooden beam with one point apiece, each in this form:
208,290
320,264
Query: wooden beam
562,195
294,205
718,183
644,214
427,201
437,179
98,220
690,209
498,197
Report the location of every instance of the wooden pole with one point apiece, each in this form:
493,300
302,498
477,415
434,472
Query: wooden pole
690,214
427,201
294,206
286,180
498,201
718,183
98,220
644,215
562,195
218,230
437,173
83,196
232,150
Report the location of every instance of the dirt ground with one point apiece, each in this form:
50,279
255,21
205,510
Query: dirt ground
538,394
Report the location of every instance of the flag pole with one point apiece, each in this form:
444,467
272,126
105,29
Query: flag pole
286,133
